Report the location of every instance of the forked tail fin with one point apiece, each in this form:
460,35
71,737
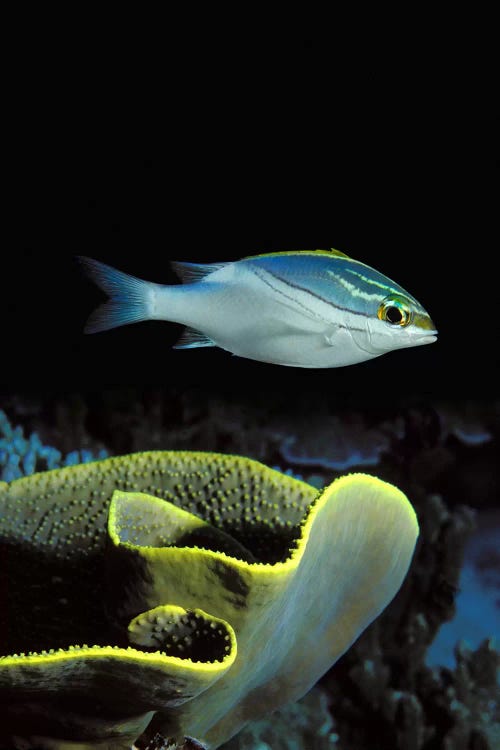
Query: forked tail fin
130,298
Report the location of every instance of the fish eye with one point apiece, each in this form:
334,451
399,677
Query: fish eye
395,311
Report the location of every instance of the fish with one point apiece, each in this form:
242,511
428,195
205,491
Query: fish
304,308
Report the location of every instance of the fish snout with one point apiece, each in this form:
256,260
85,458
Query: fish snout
427,337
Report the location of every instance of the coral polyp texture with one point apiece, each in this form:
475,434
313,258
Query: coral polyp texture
182,594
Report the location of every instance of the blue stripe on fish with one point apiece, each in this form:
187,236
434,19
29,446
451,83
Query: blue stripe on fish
304,288
329,277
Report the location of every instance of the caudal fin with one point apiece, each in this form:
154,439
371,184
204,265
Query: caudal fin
130,297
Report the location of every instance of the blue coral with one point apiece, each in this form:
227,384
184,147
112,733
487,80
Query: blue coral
21,456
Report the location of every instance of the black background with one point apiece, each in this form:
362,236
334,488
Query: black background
384,158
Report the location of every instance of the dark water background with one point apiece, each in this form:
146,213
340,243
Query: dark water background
389,165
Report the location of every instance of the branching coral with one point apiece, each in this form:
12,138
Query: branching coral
304,725
20,456
211,589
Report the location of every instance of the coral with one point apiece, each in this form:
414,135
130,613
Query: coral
305,725
472,424
211,588
477,601
20,456
440,454
446,709
302,725
333,443
383,695
454,442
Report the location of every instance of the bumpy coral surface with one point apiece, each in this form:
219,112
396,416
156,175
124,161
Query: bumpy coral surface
182,594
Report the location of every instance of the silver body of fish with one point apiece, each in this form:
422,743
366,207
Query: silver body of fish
314,309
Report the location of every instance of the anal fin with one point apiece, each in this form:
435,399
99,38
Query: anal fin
192,339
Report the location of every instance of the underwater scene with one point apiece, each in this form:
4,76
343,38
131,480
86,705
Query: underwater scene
250,423
237,565
423,674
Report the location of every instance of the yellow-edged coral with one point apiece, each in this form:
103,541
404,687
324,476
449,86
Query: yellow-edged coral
210,589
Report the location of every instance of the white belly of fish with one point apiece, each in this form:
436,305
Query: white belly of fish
244,316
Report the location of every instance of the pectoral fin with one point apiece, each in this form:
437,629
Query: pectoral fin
332,335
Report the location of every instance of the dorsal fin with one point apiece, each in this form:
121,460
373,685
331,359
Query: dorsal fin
331,251
189,272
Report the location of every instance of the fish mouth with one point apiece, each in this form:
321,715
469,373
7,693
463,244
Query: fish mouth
424,338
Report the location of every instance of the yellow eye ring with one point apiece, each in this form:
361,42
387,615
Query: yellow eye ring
396,311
